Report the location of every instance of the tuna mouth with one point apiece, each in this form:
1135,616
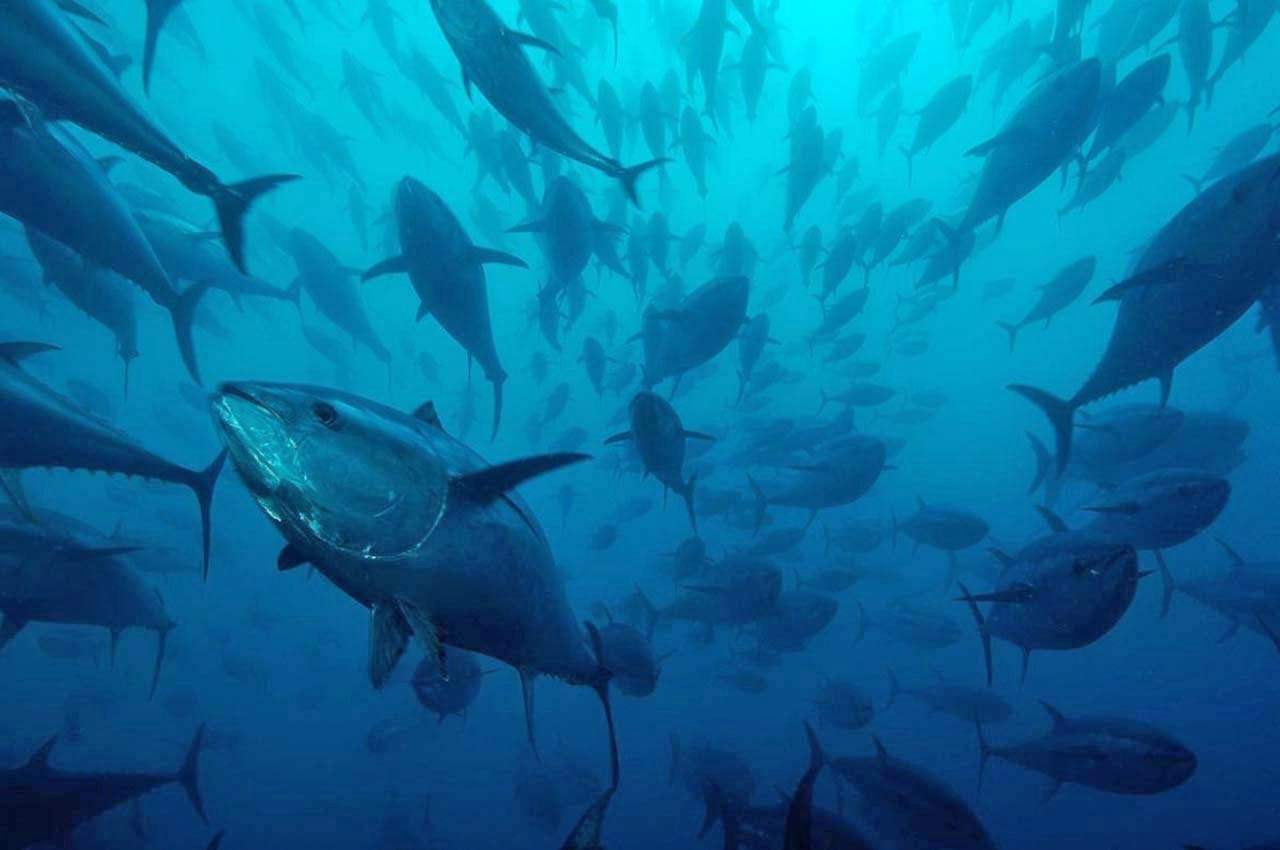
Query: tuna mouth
256,437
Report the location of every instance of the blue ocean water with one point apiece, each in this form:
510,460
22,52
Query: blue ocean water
301,750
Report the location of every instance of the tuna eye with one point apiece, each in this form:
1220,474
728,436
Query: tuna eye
325,414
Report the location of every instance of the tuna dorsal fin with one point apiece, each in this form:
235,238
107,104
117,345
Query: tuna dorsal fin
1052,520
388,637
427,413
426,631
481,256
1059,719
488,485
16,352
40,758
882,755
391,265
290,558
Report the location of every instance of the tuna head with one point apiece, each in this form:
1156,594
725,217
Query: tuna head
334,472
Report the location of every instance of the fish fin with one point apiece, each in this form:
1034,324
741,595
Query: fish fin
1236,559
536,226
391,265
16,352
1125,508
426,412
601,687
1060,414
983,632
1052,520
697,435
481,256
1060,721
162,643
526,40
202,484
1167,585
996,141
1174,271
188,775
182,310
488,485
79,10
232,203
526,695
10,627
984,753
426,631
620,438
1002,556
289,558
630,175
97,553
882,755
1052,790
157,13
1011,330
388,637
40,758
216,841
1043,462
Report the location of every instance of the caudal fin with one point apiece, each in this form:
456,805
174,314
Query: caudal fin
189,774
1011,330
630,175
983,633
1060,414
232,202
202,484
183,313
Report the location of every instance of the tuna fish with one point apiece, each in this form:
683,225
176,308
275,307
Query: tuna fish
1056,295
659,437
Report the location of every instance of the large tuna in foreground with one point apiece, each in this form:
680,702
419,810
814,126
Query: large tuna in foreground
412,524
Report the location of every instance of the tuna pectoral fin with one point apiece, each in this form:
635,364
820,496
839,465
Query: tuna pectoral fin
79,10
158,12
426,632
526,695
1060,414
97,553
388,637
10,628
983,632
182,311
290,558
482,256
16,352
1176,270
619,438
489,485
202,484
697,435
162,642
1008,136
1125,508
189,774
1051,519
391,265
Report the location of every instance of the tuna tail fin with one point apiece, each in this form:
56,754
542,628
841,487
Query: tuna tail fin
1043,461
910,163
1197,184
983,632
687,494
294,293
1060,415
157,13
628,176
202,484
1167,585
232,202
894,688
1011,330
188,775
984,753
601,687
183,312
762,505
